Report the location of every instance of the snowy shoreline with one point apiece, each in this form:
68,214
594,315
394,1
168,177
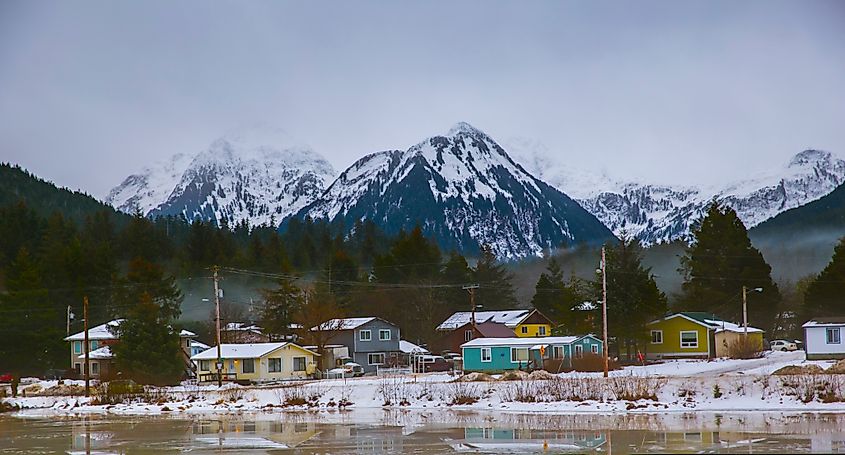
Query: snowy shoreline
721,386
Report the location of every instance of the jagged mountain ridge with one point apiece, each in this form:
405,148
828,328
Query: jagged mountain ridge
663,213
464,190
256,175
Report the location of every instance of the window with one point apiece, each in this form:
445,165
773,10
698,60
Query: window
299,364
579,351
384,334
78,368
375,359
486,355
833,336
205,365
656,337
95,368
468,335
524,329
557,352
541,331
689,339
274,365
249,366
365,335
77,347
519,355
95,344
594,348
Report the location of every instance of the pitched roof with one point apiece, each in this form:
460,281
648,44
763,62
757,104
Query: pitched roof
509,318
103,353
187,334
519,341
410,348
243,351
199,344
711,321
494,330
100,332
342,324
833,321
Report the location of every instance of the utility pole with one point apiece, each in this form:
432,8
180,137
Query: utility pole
87,368
471,288
69,315
604,307
744,313
219,365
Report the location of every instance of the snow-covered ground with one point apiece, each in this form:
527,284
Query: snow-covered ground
676,386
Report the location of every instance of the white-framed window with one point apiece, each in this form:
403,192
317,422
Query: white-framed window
486,355
467,335
384,334
519,355
95,368
95,344
376,358
299,364
365,335
274,365
689,339
656,337
77,347
579,351
594,348
557,352
524,329
248,366
541,331
833,335
205,365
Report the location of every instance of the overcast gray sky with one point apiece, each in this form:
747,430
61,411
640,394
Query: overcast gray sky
670,91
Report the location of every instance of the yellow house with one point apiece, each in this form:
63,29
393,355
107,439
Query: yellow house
257,362
534,324
693,334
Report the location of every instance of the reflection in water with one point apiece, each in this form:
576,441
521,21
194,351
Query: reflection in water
430,432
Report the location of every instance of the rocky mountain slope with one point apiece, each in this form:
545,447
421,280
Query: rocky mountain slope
258,175
464,190
661,213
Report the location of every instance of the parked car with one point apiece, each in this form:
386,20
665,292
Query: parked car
783,345
4,378
434,363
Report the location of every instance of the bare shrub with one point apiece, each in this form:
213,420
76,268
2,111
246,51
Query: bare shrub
298,395
810,387
232,394
633,388
558,389
395,390
462,393
745,348
592,363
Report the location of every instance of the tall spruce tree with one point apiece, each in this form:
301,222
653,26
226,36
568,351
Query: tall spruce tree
559,300
149,350
823,296
719,262
632,295
496,291
281,306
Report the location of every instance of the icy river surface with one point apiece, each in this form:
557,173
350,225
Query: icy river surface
423,432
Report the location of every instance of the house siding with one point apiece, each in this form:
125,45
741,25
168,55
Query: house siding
501,355
671,346
261,365
359,350
815,343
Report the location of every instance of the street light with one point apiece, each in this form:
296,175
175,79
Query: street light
745,308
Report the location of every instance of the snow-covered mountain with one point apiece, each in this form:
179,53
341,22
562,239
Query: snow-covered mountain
464,190
660,213
258,174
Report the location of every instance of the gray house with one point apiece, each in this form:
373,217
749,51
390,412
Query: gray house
372,342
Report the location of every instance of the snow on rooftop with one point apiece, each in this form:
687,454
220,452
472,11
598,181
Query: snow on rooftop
509,318
103,353
199,344
825,322
241,351
410,348
725,326
187,334
528,342
342,324
100,332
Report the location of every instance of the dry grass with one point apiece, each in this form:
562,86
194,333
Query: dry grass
592,363
462,393
745,348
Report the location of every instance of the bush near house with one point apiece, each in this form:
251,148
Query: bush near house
745,348
592,363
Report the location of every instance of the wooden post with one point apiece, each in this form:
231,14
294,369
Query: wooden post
604,307
219,364
87,372
471,288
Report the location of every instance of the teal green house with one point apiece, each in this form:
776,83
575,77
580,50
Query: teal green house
495,355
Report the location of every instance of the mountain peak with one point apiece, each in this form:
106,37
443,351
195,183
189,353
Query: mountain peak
463,128
809,156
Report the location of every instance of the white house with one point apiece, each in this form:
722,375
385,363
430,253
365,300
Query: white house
823,338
